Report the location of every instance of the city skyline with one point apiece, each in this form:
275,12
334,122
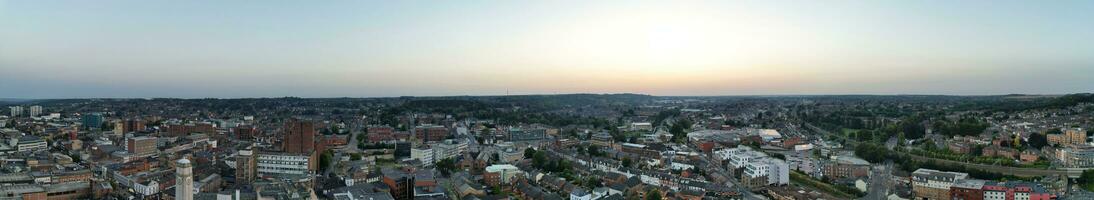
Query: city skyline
132,49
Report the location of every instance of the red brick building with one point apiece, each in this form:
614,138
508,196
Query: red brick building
299,137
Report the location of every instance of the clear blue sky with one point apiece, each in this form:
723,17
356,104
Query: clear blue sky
64,49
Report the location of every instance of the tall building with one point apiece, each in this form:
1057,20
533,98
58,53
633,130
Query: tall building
92,120
245,167
184,180
16,111
35,111
299,137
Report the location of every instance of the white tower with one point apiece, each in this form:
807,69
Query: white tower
184,180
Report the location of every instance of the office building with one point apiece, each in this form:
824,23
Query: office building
141,146
92,121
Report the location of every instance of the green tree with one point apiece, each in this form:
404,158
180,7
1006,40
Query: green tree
627,162
653,194
1038,140
325,160
1087,180
529,153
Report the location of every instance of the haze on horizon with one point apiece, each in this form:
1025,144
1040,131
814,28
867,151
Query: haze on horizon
191,49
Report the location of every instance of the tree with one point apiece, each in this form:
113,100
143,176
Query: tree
678,130
1038,140
325,160
627,162
653,194
1087,180
529,152
539,160
446,166
356,156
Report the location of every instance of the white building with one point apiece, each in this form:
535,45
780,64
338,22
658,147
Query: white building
450,148
35,111
740,156
425,155
282,164
505,172
16,111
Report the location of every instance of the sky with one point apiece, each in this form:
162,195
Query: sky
230,49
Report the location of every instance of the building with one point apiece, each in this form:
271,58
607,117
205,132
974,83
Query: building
16,111
402,150
400,183
141,146
187,129
30,143
641,126
1016,191
35,111
640,150
495,175
449,149
518,134
246,167
284,164
767,171
933,184
1076,156
1075,135
967,189
602,139
739,156
128,126
299,137
422,154
430,133
184,180
245,132
845,167
378,134
1070,136
92,121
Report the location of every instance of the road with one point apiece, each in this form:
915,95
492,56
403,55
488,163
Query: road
880,181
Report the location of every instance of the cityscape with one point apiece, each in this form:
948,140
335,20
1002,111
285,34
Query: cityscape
578,146
546,100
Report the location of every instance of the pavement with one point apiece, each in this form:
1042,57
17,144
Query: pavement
880,181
